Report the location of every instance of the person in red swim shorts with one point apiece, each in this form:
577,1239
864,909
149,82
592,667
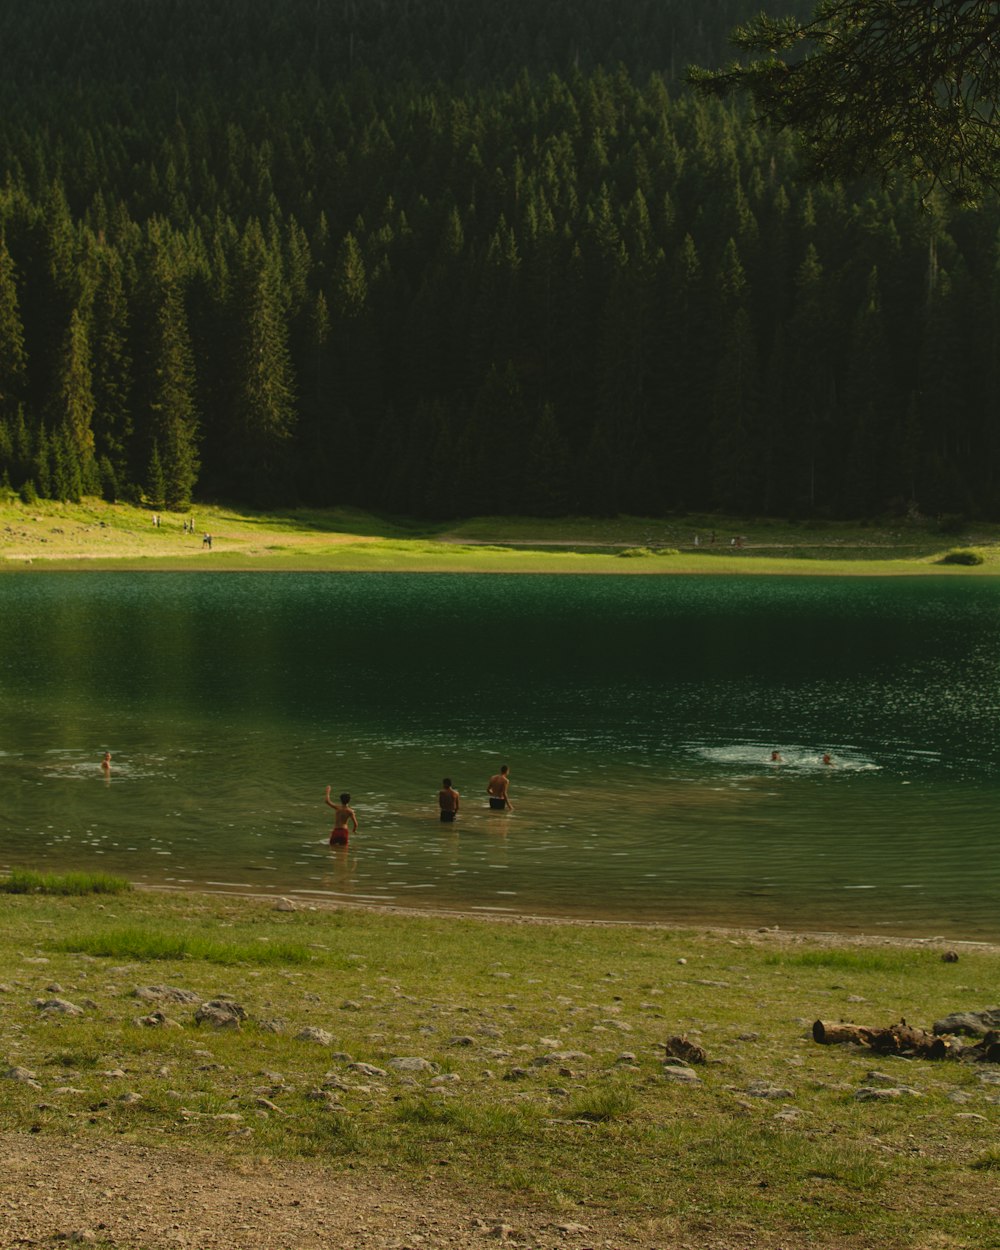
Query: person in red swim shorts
344,816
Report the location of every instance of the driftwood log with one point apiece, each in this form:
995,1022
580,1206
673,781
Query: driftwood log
904,1039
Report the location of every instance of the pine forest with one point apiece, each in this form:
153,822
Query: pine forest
443,258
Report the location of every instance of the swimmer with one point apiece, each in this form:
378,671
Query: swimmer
106,764
776,757
827,760
344,816
448,801
496,788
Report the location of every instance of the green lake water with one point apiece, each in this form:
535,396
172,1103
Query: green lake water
637,715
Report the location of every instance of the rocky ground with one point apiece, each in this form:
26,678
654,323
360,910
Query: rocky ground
56,1192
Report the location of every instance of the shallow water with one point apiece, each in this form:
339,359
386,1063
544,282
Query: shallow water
637,714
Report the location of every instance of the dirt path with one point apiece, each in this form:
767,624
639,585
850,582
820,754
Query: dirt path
55,1192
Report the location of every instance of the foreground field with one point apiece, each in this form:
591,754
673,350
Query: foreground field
404,1080
95,534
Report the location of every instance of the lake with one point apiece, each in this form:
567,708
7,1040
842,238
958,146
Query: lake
638,716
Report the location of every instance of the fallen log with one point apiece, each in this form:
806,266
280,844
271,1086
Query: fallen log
905,1040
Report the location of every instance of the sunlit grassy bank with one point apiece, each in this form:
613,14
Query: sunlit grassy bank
533,1061
94,534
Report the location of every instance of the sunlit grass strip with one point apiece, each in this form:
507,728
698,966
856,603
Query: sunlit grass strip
147,946
863,960
70,883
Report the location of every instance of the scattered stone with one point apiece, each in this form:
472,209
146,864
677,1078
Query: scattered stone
959,1096
950,957
334,1082
880,1078
367,1069
673,1070
761,1089
268,1105
130,1099
67,1089
681,1048
157,1020
627,1056
445,1078
320,1036
411,1063
969,1115
54,988
350,1005
869,1094
973,1023
682,961
462,1041
165,994
516,1074
560,1056
58,1006
23,1076
220,1013
82,1237
273,1026
285,904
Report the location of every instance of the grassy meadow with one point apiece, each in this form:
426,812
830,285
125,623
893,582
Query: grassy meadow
98,535
521,1058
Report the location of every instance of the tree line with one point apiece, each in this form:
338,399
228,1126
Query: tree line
354,253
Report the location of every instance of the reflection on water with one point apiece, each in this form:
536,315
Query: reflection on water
638,715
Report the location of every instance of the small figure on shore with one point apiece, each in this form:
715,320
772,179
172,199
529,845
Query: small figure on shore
448,801
697,540
496,788
106,764
343,816
777,758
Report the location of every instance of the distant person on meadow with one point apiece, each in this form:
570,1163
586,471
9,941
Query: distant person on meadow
343,816
496,788
448,801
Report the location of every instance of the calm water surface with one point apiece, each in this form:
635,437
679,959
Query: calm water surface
637,714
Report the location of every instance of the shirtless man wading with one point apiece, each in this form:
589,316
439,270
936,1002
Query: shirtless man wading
496,788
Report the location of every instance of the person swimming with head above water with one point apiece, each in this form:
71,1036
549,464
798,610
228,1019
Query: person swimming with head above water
343,816
777,758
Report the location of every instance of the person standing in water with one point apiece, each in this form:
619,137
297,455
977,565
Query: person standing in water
448,801
106,764
343,815
496,788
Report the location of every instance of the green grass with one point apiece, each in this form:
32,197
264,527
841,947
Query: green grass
22,881
147,947
489,1004
96,535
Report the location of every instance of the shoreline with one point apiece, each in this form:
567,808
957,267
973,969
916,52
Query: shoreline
95,536
797,935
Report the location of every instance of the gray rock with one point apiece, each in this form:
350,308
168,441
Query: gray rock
165,994
681,1073
23,1076
411,1063
462,1041
157,1020
58,1006
761,1089
220,1014
516,1074
285,904
273,1026
972,1023
869,1094
367,1069
350,1005
560,1056
320,1036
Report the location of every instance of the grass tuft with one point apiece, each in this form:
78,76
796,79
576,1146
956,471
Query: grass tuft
71,883
862,960
146,947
